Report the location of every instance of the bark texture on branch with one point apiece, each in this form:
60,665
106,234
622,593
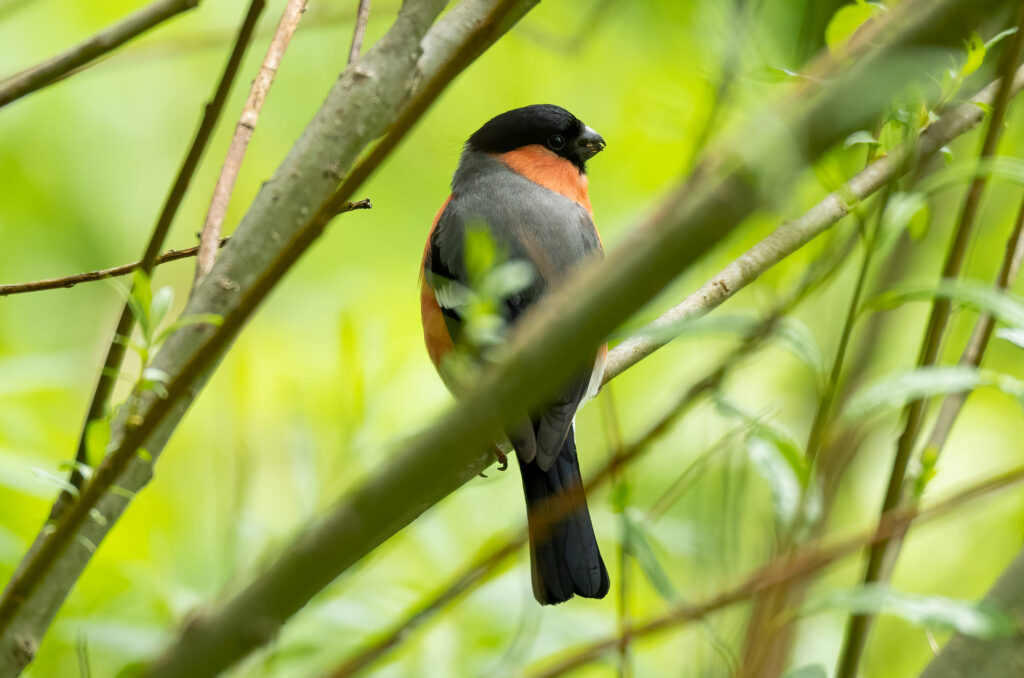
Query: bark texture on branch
360,107
51,70
968,656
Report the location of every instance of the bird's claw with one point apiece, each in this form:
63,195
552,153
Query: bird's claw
502,461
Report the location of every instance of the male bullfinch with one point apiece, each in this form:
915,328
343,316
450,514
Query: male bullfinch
522,176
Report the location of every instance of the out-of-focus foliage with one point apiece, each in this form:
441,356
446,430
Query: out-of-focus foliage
332,374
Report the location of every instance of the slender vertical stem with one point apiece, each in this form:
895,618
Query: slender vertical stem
859,626
218,209
362,18
976,345
620,494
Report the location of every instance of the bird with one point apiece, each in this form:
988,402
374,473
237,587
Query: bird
521,179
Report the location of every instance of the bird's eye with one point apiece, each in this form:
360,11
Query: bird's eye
556,141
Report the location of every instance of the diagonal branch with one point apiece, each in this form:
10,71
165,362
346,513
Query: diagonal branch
985,658
46,73
405,67
210,234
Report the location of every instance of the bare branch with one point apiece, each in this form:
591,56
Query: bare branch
362,18
243,133
277,228
789,567
92,276
41,75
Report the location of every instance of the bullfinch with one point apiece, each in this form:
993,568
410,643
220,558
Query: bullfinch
522,179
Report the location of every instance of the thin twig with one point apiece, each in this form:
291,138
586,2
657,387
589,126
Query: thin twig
362,17
793,235
93,276
41,75
125,324
210,234
788,568
860,624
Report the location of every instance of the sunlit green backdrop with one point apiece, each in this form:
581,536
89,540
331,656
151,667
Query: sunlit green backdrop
331,376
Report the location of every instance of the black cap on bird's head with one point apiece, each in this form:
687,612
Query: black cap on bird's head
550,126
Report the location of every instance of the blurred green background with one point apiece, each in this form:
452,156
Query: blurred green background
331,375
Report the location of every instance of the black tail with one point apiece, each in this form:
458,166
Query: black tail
564,556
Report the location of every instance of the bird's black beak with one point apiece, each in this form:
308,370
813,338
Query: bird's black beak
588,144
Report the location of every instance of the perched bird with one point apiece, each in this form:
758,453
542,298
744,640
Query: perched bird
522,178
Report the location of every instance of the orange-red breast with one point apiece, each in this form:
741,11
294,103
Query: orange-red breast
523,177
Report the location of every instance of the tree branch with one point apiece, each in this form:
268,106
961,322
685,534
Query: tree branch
967,656
542,353
93,276
210,235
790,567
41,75
402,69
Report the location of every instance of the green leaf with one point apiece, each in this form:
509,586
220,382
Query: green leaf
48,478
975,55
905,211
639,547
799,339
807,671
782,440
977,619
185,321
844,23
947,154
1012,334
860,137
97,438
999,37
97,517
140,299
481,252
923,382
774,466
162,301
1005,306
508,279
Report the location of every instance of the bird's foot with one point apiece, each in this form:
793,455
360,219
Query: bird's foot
502,460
